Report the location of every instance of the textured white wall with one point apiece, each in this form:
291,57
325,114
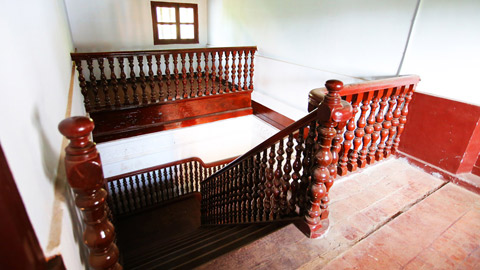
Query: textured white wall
36,71
110,25
444,49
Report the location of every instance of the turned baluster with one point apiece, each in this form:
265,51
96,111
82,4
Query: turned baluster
182,178
368,130
83,85
84,174
385,125
331,112
197,177
146,191
214,74
93,83
113,79
297,166
347,145
199,74
252,56
220,72
177,180
239,72
192,75
392,123
207,72
262,186
121,197
250,188
169,77
403,118
375,126
234,58
287,169
269,173
143,80
243,192
103,79
113,196
140,195
123,80
277,181
245,70
184,76
158,61
227,70
396,116
151,79
359,132
153,188
127,200
133,79
176,95
307,163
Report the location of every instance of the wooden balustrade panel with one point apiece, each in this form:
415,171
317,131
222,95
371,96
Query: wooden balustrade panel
143,78
380,110
264,186
150,187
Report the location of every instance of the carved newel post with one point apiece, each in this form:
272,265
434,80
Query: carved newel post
332,115
85,176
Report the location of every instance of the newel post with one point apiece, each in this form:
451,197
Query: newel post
85,176
332,114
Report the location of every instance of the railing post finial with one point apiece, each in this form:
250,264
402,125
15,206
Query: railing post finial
84,174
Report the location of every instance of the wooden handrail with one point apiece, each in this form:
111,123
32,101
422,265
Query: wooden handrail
125,79
291,172
274,138
203,164
87,55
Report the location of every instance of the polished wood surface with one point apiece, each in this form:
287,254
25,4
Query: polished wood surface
169,115
270,116
141,190
20,248
180,74
290,173
84,174
332,113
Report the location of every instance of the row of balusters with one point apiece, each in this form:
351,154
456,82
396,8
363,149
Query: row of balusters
272,183
136,191
114,82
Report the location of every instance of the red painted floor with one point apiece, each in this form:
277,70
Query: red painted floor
390,216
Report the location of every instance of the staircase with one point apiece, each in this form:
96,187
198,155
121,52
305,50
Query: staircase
174,239
178,217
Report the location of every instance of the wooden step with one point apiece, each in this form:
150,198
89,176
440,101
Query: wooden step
186,253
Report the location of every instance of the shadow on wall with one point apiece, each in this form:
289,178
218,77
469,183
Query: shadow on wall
63,193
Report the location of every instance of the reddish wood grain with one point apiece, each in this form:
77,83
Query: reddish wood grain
169,115
270,116
439,131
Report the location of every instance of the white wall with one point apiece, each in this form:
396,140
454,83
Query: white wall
35,71
212,142
355,39
444,49
110,25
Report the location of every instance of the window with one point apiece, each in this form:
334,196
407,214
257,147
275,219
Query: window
174,23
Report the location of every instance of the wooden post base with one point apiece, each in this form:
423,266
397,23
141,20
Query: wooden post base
313,232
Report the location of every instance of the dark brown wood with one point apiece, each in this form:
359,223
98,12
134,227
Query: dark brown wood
169,115
84,174
20,248
270,116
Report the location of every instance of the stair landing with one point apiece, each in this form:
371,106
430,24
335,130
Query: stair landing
389,216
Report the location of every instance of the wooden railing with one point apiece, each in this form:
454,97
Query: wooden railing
126,79
291,173
85,176
142,189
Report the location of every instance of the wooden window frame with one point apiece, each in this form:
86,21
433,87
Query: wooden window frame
177,6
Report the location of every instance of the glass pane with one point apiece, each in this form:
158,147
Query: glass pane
186,15
167,31
187,31
165,14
